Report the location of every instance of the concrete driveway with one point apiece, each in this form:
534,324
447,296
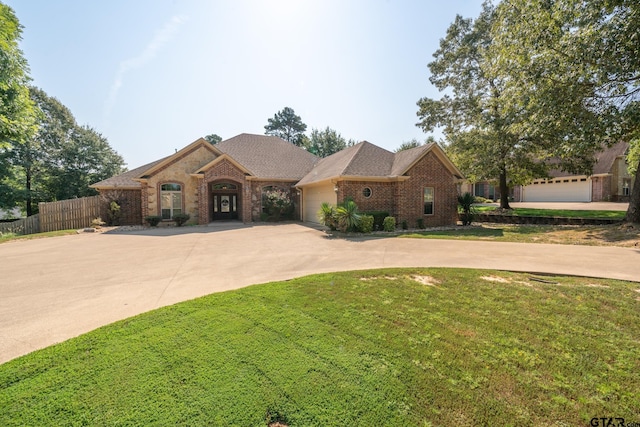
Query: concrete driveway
57,288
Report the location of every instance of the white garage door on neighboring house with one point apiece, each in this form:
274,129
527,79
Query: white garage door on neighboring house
569,189
313,197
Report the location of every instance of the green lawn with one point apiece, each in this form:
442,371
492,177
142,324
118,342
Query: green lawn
565,213
9,237
411,347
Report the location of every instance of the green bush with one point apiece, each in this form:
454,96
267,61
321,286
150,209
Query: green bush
277,203
327,215
181,218
420,223
405,225
378,219
389,224
366,223
114,213
347,216
152,220
466,209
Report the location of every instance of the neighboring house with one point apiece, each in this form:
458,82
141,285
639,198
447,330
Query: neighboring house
227,181
610,182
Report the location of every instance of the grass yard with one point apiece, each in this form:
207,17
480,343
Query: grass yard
565,213
10,237
402,347
600,235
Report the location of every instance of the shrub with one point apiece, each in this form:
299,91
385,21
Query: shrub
276,202
378,219
152,220
366,223
420,223
97,223
389,224
181,218
347,216
405,225
465,208
114,213
327,215
264,216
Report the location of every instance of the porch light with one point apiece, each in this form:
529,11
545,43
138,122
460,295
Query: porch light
335,188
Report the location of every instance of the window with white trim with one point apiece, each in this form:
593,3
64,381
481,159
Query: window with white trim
626,184
428,200
170,200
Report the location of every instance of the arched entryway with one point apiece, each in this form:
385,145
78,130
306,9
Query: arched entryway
224,201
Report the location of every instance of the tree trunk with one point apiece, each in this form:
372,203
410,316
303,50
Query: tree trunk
28,199
504,191
633,212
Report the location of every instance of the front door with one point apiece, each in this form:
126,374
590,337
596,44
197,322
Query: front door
225,206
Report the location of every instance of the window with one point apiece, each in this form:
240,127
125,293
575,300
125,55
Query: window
625,186
366,192
171,200
224,186
428,201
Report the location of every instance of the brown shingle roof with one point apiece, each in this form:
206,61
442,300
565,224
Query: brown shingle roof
125,180
268,157
604,161
362,159
368,160
606,158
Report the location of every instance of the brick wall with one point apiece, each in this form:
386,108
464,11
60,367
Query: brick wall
130,202
382,198
601,189
225,171
428,172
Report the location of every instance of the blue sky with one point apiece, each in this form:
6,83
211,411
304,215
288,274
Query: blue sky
154,75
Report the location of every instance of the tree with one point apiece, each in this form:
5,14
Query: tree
484,138
213,138
325,142
62,159
577,65
16,109
17,121
286,125
408,145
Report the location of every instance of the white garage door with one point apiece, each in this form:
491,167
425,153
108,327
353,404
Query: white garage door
313,197
559,190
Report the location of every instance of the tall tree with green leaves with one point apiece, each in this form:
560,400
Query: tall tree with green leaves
62,159
484,138
16,109
287,125
325,142
577,67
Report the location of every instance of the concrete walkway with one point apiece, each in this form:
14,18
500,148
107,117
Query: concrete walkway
57,288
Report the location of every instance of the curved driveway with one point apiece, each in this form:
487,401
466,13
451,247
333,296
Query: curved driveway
57,288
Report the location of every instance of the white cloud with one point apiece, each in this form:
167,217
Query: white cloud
162,37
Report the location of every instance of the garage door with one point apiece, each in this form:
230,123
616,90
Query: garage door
558,190
313,197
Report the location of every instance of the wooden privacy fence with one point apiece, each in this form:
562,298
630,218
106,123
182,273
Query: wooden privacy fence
29,225
69,214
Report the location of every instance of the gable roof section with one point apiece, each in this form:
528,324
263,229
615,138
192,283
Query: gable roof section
363,159
198,143
125,180
370,161
406,159
606,158
268,157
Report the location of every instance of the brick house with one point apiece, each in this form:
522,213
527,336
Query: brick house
227,181
609,182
